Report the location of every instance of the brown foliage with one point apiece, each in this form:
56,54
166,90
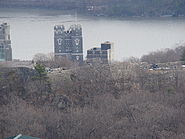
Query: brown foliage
50,61
120,101
163,56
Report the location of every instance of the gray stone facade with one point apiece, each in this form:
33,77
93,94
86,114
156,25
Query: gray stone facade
68,43
5,43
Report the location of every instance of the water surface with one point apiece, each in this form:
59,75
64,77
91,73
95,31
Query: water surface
32,32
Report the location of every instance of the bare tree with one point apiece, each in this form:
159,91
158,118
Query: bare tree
166,55
49,60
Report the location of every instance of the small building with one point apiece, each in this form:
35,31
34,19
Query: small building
20,136
103,54
5,43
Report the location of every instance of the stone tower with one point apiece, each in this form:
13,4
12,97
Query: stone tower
69,43
5,43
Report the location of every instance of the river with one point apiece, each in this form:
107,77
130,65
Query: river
32,32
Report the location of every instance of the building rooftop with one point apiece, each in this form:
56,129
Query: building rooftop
22,137
95,49
107,42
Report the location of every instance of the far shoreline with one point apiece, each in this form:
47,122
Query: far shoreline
56,11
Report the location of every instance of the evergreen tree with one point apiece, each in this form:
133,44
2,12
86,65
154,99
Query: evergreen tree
41,71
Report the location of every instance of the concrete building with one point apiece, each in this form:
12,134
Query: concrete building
68,43
5,43
103,55
109,46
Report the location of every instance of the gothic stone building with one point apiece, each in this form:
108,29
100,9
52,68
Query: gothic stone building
5,43
68,43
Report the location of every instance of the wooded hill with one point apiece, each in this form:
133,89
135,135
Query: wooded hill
108,7
119,101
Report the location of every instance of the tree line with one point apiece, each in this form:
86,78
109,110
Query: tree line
108,7
165,55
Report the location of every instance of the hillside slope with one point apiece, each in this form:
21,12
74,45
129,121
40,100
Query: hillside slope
108,7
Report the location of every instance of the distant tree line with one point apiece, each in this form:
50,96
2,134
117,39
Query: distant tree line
108,7
49,60
166,55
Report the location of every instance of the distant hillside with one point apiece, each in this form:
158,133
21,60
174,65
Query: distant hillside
108,7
